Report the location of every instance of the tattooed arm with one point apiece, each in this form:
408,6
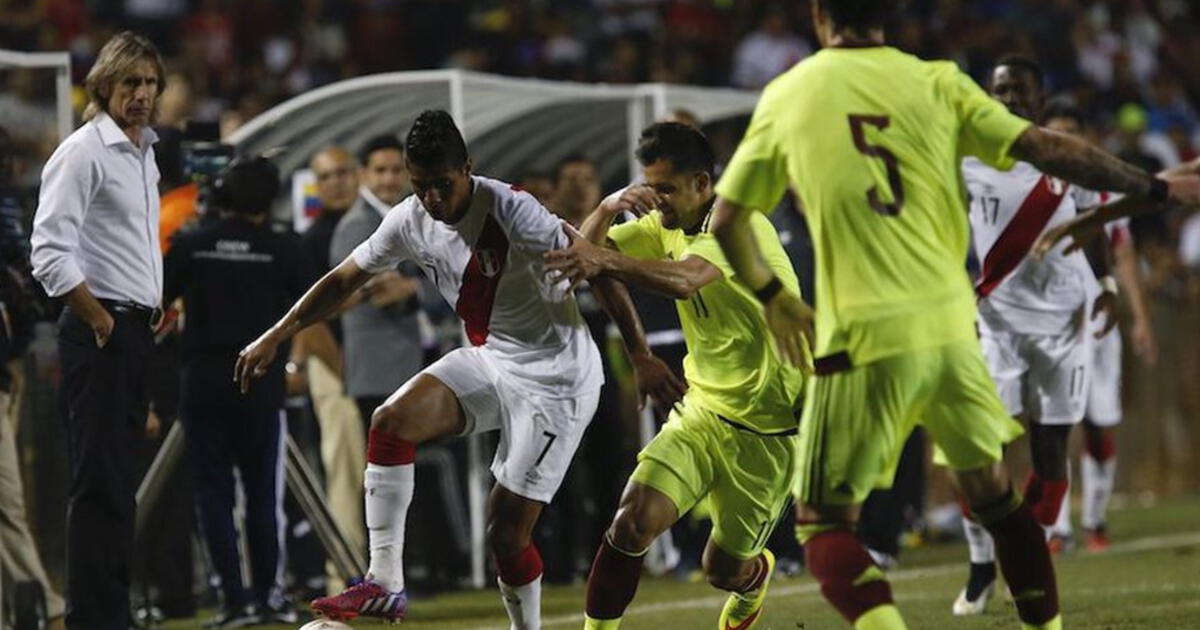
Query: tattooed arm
1079,162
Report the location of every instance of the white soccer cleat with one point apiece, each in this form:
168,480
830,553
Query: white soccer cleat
963,606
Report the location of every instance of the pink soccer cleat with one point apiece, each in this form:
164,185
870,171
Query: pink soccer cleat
365,599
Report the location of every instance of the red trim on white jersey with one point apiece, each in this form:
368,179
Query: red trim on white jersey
480,280
1019,235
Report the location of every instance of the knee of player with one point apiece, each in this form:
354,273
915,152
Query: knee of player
393,419
724,576
632,531
505,539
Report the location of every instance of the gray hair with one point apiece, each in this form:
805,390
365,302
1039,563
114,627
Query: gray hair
116,60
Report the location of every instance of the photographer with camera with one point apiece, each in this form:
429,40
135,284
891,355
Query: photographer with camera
236,276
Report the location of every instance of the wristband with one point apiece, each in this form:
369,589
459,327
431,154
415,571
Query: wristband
1109,284
769,290
1160,191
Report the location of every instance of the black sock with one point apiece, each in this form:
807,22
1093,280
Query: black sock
982,575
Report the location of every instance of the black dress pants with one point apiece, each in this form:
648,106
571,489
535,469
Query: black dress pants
103,400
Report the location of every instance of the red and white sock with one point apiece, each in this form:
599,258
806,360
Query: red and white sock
520,582
1045,497
389,483
1062,524
1099,468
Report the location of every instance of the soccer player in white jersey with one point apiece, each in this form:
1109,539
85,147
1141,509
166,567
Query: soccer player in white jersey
1098,460
532,370
1032,315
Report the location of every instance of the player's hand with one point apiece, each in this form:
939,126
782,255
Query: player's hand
1145,344
389,287
102,327
638,200
254,360
1082,230
1105,303
1184,189
656,380
580,261
791,322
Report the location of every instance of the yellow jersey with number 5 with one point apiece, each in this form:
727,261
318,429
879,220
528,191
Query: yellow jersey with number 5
871,140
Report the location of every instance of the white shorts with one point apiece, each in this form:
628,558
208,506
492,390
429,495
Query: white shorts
1104,395
1044,377
538,434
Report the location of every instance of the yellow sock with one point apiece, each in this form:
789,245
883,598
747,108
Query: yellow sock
601,624
885,617
1053,624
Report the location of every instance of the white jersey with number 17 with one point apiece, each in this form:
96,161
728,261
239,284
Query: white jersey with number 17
1008,212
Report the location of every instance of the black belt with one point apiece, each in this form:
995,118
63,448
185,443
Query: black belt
833,363
742,427
151,316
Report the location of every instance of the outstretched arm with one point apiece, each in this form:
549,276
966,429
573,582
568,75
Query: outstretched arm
320,302
1081,163
788,316
1129,277
583,260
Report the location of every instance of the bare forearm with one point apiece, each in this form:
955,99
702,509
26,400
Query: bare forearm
322,301
83,303
1129,277
674,279
595,227
1080,162
1184,168
731,225
614,299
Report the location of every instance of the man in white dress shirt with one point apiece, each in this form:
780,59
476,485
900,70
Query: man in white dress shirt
95,245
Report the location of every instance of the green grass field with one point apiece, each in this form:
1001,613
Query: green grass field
1151,579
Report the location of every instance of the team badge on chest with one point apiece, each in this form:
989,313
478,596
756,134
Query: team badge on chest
489,262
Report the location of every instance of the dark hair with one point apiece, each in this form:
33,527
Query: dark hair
685,146
386,142
434,141
574,158
1061,108
1022,62
247,187
859,15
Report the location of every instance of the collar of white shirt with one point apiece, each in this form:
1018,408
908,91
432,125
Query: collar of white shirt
373,201
111,134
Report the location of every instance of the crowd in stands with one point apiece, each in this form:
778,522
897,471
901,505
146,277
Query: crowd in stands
1130,63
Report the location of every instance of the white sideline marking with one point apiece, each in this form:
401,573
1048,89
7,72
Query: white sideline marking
903,575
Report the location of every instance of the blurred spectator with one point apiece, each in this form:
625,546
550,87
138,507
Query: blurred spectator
768,51
240,58
1168,108
538,184
236,277
343,439
18,314
1131,143
576,189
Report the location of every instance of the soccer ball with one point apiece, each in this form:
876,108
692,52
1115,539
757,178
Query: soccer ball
324,624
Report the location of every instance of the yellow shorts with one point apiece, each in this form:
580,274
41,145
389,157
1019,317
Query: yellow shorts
747,476
856,421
